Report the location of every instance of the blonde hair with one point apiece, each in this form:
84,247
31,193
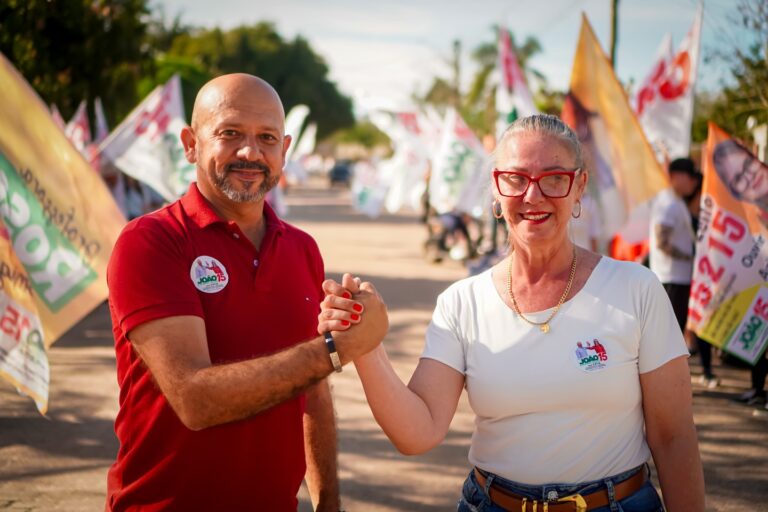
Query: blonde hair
544,124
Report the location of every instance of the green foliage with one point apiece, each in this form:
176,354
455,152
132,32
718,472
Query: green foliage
298,74
363,133
478,105
748,95
69,50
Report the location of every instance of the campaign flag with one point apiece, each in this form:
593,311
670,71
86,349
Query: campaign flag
294,120
728,306
61,224
648,87
147,146
57,118
23,358
294,170
624,172
306,143
406,170
459,181
92,149
513,97
369,186
664,103
102,128
78,129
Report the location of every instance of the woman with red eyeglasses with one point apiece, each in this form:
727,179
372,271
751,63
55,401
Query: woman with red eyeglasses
573,363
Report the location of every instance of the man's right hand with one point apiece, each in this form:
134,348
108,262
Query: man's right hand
355,314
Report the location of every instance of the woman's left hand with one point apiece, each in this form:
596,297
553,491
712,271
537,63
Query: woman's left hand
338,311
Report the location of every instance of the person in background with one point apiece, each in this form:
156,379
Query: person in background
756,394
214,300
574,364
672,236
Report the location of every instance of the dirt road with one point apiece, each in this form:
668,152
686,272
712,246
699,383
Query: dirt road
59,463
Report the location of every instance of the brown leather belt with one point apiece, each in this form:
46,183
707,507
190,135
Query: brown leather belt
576,502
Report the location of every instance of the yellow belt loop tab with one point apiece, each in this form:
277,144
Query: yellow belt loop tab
525,500
578,499
546,506
535,504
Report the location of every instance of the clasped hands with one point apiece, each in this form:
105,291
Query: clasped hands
354,312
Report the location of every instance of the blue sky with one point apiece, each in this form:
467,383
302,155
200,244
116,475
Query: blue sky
379,52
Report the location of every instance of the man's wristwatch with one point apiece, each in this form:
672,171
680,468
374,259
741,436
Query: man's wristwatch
335,360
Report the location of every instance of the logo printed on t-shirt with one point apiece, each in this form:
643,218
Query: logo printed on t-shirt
208,274
591,357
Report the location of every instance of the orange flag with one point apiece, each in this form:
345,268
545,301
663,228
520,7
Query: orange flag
729,295
624,173
60,223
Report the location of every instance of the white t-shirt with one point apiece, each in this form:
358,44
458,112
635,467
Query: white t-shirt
547,410
669,210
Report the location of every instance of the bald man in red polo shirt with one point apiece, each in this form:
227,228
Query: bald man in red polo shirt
214,301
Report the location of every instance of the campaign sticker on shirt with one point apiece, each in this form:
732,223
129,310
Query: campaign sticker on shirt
208,274
591,357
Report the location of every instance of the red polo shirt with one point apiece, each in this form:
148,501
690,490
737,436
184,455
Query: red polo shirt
185,260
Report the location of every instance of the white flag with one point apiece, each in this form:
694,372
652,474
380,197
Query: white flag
294,120
665,104
294,169
78,129
56,116
102,129
147,146
306,143
406,169
513,97
458,181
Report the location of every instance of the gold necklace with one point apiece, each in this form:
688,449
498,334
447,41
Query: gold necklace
544,326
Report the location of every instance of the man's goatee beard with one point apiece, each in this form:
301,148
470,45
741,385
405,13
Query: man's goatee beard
246,196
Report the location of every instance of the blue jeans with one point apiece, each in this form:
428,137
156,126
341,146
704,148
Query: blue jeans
475,498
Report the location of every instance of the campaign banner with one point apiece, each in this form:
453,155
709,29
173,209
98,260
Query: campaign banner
728,306
23,358
624,172
664,103
60,218
147,146
459,181
513,97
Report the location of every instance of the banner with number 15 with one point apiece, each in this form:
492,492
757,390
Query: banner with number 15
729,295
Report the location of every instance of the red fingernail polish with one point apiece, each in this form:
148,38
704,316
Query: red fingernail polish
354,316
345,323
346,295
357,307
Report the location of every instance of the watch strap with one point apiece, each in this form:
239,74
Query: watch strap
335,359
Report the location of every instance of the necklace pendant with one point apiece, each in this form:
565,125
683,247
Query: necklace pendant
544,328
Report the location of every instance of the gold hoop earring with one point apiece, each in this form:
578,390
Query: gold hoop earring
576,216
496,207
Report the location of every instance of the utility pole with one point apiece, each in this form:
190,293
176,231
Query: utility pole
614,29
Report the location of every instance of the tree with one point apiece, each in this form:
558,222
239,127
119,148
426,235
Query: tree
748,95
298,74
478,105
70,50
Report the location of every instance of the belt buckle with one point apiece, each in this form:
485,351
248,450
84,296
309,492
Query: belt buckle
576,499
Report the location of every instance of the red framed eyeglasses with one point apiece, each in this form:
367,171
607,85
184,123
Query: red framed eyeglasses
555,184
